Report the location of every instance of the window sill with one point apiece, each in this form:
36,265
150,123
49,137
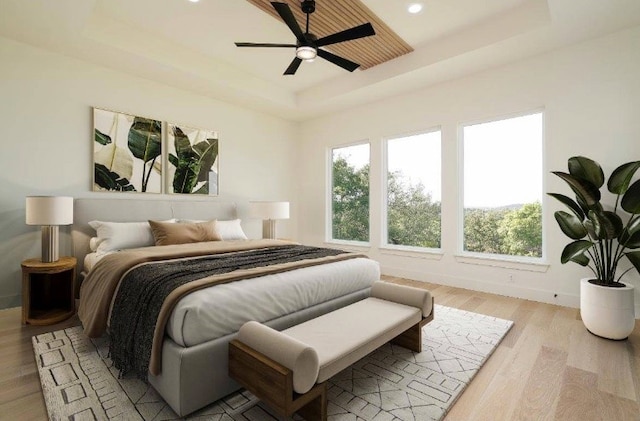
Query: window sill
507,262
413,252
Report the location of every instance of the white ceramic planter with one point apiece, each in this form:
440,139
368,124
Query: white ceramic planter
607,312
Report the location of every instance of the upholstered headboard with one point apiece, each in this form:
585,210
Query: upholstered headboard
137,210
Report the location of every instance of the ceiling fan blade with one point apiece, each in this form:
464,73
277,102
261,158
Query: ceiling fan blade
293,67
338,61
254,44
286,14
364,30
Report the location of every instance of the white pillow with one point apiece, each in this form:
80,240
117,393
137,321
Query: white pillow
230,230
94,242
122,235
227,230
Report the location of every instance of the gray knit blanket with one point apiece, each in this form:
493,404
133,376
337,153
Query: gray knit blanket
143,290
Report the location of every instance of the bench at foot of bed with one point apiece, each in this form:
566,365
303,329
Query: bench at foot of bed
288,370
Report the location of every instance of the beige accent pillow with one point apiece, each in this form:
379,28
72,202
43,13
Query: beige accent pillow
168,233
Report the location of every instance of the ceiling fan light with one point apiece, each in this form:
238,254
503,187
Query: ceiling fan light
305,52
414,8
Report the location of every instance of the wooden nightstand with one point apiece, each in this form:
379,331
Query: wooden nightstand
48,290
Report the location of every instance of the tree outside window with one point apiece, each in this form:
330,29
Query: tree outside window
350,193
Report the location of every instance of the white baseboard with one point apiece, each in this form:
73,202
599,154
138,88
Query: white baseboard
509,290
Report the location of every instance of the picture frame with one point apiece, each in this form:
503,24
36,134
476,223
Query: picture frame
127,152
192,160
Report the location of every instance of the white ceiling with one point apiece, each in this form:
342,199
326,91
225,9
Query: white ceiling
190,45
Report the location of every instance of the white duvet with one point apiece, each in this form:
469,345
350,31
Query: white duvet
219,310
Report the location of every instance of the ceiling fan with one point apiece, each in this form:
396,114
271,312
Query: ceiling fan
308,45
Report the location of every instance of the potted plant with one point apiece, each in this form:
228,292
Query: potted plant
603,238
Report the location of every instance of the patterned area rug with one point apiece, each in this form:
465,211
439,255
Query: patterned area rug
392,383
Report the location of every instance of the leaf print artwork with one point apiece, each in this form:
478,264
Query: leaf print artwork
193,160
127,153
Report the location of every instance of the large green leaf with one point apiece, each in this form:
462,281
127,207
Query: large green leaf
570,203
586,169
186,176
611,224
182,144
206,152
631,199
581,259
597,207
204,189
590,228
574,249
192,163
584,190
102,138
145,139
621,177
633,241
630,236
634,258
570,225
598,222
109,180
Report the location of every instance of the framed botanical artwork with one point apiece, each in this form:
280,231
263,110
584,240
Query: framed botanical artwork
192,160
127,153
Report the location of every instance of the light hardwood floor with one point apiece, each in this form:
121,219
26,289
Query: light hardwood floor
548,367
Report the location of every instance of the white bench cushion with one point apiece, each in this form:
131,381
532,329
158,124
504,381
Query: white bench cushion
403,294
348,334
300,358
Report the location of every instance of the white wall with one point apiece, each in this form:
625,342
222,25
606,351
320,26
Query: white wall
46,105
591,96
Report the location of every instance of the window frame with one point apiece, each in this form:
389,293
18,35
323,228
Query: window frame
384,214
329,196
536,264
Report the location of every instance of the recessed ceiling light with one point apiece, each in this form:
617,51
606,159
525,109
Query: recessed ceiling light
194,1
414,8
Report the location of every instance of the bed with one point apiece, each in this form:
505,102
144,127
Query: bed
194,345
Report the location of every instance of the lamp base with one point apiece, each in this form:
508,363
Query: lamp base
269,228
50,243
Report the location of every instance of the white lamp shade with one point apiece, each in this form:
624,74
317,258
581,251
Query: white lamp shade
269,210
49,210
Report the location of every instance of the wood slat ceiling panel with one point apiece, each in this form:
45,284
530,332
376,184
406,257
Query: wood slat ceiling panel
333,16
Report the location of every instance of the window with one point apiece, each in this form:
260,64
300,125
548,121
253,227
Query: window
413,181
350,193
503,187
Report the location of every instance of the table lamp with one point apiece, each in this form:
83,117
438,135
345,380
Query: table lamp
269,212
49,212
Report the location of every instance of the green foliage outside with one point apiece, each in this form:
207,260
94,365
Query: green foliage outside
515,231
350,201
414,219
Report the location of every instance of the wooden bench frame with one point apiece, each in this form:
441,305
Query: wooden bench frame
272,382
